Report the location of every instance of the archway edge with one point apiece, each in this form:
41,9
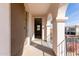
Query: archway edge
61,14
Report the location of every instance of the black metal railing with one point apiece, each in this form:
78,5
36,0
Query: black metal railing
72,45
69,46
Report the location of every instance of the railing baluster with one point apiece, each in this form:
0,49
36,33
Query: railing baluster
72,48
76,47
71,45
66,45
59,50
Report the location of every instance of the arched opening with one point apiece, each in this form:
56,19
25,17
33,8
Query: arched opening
72,30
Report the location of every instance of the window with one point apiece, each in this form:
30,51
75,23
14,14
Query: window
38,27
72,33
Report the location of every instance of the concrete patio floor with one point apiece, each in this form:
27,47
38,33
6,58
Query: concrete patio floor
38,47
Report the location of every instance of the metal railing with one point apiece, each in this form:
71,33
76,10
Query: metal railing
69,46
72,45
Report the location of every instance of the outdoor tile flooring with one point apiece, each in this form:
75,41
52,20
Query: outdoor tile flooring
37,48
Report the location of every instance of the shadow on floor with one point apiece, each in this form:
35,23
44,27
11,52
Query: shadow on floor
44,49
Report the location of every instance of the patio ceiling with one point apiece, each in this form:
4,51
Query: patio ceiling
38,9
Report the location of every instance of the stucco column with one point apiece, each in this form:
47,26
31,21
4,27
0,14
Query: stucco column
45,31
33,35
59,36
49,27
29,29
48,35
43,27
54,36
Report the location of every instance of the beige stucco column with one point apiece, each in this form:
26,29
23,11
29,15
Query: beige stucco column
59,36
49,27
43,28
29,29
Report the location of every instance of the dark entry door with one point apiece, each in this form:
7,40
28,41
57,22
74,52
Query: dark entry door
38,27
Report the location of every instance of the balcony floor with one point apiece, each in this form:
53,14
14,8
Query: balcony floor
38,47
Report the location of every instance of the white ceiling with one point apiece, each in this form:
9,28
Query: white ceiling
38,9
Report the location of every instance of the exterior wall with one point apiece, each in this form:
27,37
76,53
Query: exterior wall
30,32
5,29
30,26
77,30
60,35
33,28
44,21
17,28
62,10
53,10
61,38
33,34
49,30
70,30
74,29
54,37
26,7
43,28
58,38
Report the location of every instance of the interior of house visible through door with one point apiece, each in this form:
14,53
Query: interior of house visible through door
38,28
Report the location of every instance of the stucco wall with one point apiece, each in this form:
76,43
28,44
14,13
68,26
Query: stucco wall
17,28
30,32
5,29
43,28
